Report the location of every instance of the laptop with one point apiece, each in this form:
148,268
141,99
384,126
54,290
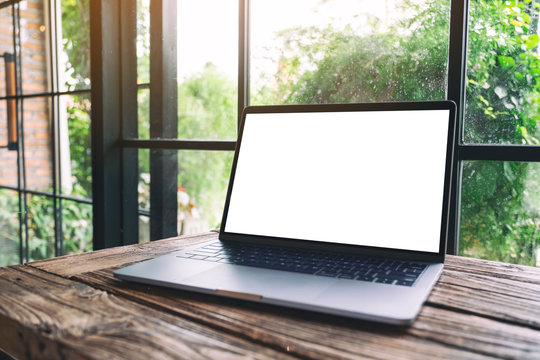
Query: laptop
340,209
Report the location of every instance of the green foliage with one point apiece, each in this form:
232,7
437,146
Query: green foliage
77,227
76,41
207,109
9,226
406,63
207,104
504,73
503,90
78,111
76,217
495,223
41,227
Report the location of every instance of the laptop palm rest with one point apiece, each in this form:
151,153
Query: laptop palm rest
240,281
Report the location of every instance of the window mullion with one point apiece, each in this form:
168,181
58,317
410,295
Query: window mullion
243,57
130,166
106,117
456,91
163,118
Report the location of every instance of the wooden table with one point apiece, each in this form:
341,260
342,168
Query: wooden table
72,307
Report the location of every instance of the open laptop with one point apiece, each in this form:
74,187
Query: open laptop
340,209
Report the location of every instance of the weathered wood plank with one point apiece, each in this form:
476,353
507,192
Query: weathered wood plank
454,335
467,287
504,299
486,336
70,265
522,273
43,316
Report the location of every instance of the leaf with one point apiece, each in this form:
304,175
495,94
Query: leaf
506,61
509,172
532,41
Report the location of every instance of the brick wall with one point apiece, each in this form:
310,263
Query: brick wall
35,111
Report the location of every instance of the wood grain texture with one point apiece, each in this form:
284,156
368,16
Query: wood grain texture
500,270
70,265
504,299
479,309
437,333
47,317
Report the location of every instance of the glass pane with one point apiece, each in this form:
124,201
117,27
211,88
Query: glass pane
503,96
9,227
143,113
40,227
8,158
334,51
202,183
74,45
144,179
143,190
500,211
37,144
75,158
143,41
203,177
207,69
77,227
144,229
6,43
34,52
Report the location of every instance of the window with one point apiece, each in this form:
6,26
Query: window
334,51
45,167
168,93
206,110
500,213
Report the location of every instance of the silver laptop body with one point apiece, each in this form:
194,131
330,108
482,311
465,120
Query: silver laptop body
347,180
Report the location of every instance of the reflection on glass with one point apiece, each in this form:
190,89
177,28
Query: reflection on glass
74,54
37,142
500,211
207,69
9,227
77,227
502,94
203,177
40,227
75,148
311,51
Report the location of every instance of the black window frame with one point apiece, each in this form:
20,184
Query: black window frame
114,126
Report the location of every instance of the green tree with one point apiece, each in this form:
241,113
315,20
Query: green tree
76,41
502,107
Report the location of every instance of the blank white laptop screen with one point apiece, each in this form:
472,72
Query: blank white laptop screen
372,178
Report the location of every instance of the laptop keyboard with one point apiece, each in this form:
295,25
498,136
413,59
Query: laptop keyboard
353,267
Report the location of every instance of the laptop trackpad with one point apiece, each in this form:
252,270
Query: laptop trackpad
265,283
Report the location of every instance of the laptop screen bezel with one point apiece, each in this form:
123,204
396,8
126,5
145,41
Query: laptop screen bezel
339,247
